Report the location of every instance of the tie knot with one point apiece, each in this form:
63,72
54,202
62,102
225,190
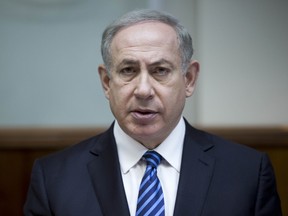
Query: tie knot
152,158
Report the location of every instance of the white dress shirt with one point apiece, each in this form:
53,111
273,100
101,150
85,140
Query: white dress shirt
132,167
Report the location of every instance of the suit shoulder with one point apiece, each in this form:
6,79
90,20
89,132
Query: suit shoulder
73,152
221,145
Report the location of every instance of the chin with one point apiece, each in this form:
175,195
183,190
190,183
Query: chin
146,133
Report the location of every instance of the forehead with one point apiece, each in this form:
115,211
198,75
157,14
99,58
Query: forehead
145,36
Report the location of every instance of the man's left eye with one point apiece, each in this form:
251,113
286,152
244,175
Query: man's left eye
161,71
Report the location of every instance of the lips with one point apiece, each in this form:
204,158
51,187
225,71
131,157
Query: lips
144,116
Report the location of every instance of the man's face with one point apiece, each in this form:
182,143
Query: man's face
147,88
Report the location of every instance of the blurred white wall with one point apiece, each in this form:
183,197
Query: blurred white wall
50,50
244,53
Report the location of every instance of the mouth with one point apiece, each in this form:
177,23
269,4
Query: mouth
144,115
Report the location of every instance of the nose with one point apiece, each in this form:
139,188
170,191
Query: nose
144,88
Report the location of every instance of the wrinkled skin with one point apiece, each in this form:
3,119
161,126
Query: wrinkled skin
146,87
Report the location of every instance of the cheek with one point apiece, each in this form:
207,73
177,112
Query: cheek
116,103
119,95
174,97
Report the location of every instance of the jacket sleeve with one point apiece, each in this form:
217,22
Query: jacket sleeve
37,202
267,200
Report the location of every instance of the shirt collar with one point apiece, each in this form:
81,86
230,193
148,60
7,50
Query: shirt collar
130,151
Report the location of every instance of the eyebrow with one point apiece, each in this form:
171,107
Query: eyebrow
153,64
128,62
161,62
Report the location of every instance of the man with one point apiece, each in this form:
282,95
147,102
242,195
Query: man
147,74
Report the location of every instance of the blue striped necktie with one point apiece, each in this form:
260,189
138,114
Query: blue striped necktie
151,198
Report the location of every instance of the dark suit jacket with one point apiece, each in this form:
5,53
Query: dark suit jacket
217,178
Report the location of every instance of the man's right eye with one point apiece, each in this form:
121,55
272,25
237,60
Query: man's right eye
128,73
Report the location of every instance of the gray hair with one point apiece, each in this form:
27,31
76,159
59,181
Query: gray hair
147,15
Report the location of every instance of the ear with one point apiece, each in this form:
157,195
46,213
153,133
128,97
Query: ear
105,79
191,77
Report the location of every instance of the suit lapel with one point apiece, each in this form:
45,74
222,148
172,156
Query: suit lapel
195,175
106,176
